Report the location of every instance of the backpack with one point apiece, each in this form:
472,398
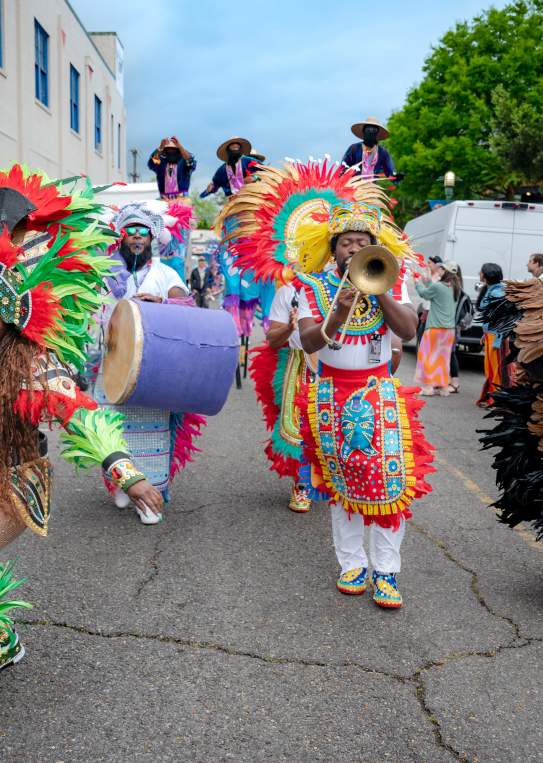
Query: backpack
464,312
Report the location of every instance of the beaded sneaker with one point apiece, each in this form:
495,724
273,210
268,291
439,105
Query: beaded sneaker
353,582
300,502
385,591
11,649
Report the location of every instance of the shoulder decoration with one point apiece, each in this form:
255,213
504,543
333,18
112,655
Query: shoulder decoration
52,261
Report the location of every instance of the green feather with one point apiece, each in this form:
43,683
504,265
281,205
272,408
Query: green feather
92,436
8,584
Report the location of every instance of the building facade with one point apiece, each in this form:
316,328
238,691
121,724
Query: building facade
61,93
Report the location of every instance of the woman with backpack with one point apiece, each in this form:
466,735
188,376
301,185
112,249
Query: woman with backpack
434,354
498,374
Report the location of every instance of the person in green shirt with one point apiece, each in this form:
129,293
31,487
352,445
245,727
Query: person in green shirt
434,354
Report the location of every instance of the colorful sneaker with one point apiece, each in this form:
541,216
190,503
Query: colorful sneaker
11,649
300,502
385,591
353,582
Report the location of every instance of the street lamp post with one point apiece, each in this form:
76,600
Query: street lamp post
449,181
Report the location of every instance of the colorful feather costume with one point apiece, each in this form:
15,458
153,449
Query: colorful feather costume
284,224
279,230
52,268
518,433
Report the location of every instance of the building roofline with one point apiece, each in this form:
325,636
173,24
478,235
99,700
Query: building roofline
74,14
109,33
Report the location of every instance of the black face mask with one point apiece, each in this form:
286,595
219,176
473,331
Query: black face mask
233,155
370,135
135,261
172,154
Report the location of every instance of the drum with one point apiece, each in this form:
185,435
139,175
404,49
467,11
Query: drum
181,359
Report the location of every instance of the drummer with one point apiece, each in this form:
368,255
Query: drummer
138,273
161,439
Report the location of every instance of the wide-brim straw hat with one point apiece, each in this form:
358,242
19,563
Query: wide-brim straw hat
244,143
358,128
257,155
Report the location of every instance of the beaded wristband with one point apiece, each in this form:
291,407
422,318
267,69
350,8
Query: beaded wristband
120,470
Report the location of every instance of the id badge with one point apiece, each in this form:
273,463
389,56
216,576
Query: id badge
375,350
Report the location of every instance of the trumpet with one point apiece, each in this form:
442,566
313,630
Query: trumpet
372,270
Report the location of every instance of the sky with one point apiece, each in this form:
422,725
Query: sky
289,75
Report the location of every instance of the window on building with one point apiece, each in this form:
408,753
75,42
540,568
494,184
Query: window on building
74,98
97,123
41,63
118,145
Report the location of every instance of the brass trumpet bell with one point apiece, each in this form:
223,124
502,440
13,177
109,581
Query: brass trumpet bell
373,270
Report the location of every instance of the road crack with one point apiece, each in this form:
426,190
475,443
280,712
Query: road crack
475,588
158,548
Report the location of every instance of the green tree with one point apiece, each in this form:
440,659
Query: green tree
517,137
206,209
449,120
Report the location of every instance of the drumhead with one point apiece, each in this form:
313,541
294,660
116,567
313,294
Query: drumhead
124,341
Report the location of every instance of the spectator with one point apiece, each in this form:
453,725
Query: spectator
424,306
535,266
215,294
434,354
200,282
463,320
496,348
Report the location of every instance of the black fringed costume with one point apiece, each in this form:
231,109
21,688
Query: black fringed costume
518,434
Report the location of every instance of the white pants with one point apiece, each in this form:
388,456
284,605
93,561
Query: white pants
348,534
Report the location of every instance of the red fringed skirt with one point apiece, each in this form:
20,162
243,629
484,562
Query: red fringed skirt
365,443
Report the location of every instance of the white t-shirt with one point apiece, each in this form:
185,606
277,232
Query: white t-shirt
154,278
354,356
280,312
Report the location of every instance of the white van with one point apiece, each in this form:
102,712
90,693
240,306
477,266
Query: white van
474,232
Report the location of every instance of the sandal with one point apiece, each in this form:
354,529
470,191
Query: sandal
454,389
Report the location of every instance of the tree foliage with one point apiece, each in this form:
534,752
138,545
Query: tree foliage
482,86
206,209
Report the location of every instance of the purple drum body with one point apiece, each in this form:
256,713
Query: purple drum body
184,358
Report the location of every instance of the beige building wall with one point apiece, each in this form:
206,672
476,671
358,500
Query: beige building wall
39,135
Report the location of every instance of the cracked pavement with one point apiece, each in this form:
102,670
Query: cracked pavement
219,635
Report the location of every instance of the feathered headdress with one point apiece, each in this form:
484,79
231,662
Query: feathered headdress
285,219
51,262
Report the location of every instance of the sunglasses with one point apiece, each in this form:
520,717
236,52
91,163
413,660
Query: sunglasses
132,230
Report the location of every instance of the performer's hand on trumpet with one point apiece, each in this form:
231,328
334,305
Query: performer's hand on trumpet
145,496
343,306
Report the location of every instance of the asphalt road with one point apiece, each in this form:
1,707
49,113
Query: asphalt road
219,635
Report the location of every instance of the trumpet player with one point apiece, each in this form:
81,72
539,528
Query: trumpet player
364,442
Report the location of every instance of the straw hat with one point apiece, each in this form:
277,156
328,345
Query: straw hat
244,143
257,155
358,128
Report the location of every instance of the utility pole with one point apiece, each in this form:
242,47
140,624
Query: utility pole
134,175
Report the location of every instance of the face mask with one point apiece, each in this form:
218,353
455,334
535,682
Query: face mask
370,136
172,154
233,155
